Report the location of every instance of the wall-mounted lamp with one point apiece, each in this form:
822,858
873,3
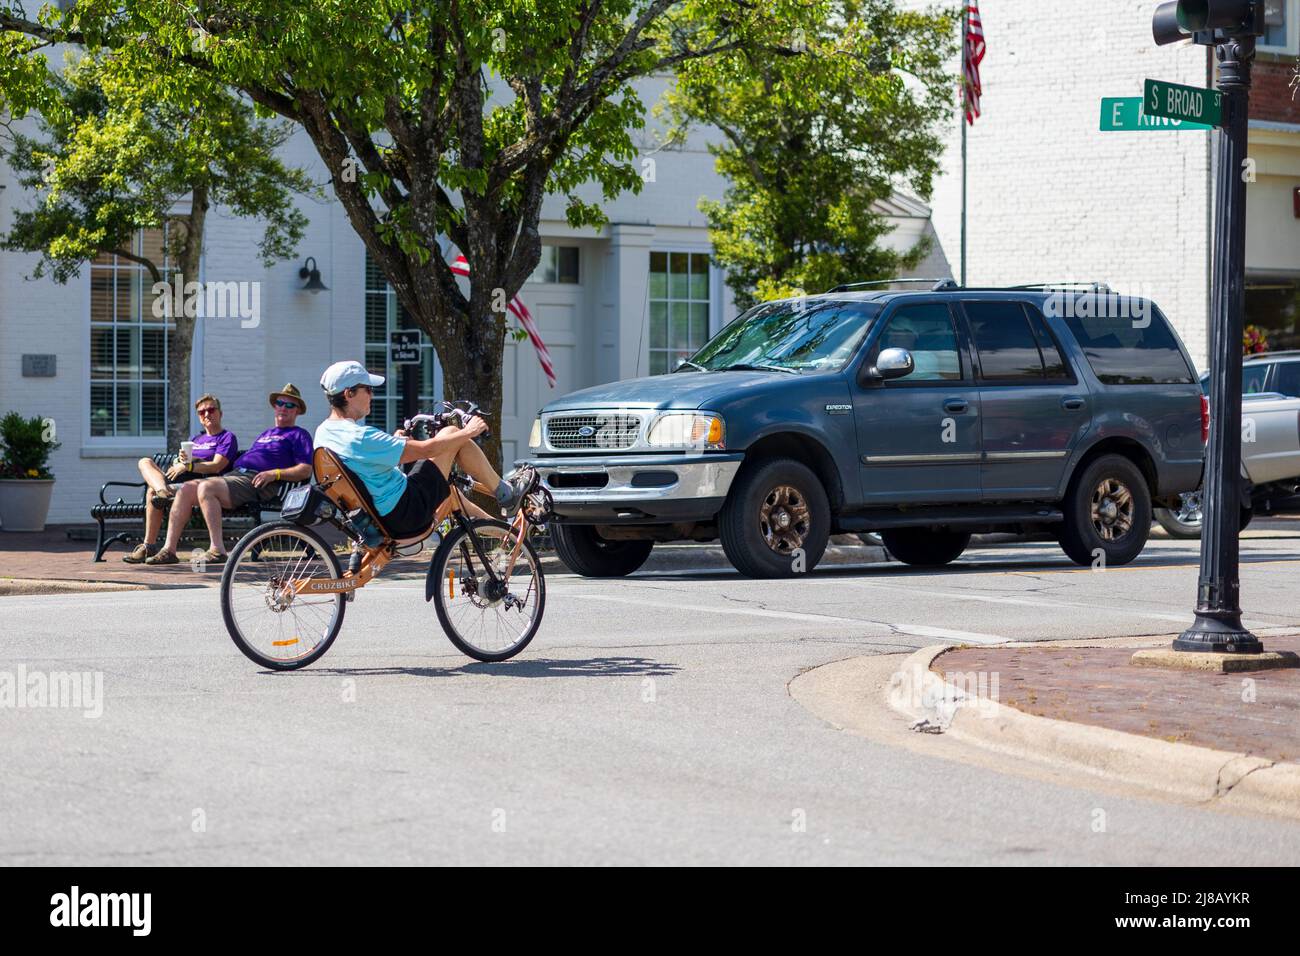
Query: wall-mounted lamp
312,275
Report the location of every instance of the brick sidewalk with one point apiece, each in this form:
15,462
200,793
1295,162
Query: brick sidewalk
49,556
1098,686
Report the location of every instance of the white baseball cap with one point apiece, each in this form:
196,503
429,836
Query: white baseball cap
344,375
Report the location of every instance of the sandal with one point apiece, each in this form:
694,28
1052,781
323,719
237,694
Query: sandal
141,552
162,557
212,556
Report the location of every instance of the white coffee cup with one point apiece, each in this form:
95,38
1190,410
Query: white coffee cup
187,453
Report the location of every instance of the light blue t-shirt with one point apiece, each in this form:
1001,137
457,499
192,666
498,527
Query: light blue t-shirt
372,454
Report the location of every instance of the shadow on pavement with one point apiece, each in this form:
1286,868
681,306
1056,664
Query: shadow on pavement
532,667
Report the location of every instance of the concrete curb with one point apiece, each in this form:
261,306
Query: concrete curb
28,586
1182,770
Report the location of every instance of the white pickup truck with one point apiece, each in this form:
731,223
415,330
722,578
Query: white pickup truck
1270,462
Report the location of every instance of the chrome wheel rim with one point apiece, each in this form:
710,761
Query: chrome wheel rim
1189,510
784,519
1112,509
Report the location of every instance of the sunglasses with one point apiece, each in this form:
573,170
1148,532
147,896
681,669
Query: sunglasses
207,411
281,403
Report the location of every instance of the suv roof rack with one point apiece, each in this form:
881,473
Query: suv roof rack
936,285
1089,286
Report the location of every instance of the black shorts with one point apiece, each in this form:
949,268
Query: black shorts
426,488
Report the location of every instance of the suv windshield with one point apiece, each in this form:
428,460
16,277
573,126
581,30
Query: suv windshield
791,336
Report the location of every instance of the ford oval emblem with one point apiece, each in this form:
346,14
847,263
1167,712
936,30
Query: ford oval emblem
586,431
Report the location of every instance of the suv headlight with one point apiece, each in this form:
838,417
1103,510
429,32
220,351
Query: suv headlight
535,436
688,430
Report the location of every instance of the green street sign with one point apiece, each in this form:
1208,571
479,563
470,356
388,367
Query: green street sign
1183,102
1123,114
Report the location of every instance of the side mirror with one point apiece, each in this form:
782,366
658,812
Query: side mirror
893,363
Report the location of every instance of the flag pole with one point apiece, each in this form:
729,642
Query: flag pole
965,105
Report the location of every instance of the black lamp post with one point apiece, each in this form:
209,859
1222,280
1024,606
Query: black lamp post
1230,26
312,275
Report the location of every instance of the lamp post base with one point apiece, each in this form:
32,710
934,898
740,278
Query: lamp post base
1218,632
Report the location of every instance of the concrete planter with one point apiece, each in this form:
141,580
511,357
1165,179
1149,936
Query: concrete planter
24,503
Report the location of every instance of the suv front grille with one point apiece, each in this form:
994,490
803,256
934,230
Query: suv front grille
593,431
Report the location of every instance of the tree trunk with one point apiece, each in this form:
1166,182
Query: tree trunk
471,369
180,339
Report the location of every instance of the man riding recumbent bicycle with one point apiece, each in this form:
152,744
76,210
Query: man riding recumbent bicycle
283,592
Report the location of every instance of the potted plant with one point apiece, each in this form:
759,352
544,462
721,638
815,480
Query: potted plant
25,482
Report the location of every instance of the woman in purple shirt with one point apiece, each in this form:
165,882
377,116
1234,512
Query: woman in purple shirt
281,453
215,450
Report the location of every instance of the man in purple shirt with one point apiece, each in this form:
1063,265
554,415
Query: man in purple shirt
281,453
215,450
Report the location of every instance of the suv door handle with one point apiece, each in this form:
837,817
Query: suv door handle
956,405
1072,403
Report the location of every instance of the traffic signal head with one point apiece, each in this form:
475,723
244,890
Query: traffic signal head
1179,19
1165,24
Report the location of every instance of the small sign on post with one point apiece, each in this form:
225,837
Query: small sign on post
1183,102
404,347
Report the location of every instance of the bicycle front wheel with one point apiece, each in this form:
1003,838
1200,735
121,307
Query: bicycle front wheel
485,621
268,619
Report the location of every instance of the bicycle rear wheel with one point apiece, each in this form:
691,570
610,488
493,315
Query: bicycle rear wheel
271,624
485,623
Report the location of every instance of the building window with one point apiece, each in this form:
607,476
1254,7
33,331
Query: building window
558,264
383,315
679,307
1280,26
128,343
1273,308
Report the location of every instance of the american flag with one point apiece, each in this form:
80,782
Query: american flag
972,57
460,266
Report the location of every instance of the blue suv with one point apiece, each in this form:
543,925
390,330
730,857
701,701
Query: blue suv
924,416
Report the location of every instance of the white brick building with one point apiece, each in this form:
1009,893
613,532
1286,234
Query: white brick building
1052,198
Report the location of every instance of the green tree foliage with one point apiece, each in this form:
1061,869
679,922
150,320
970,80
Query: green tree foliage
840,103
455,119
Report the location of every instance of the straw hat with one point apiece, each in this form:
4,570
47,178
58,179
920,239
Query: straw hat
289,391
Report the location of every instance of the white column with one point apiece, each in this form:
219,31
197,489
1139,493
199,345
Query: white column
624,336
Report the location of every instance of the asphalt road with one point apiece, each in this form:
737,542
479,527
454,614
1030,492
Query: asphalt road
649,722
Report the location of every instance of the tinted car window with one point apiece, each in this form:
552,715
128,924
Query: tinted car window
1287,378
927,332
1007,348
1253,380
1123,352
1054,364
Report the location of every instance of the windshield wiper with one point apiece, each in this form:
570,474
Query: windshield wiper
747,367
688,363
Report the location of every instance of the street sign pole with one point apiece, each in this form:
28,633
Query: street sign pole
1218,625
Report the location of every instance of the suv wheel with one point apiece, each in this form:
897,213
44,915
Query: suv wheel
923,547
775,510
585,552
1107,509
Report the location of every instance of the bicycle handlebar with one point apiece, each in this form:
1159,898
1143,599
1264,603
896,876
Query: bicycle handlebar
427,424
